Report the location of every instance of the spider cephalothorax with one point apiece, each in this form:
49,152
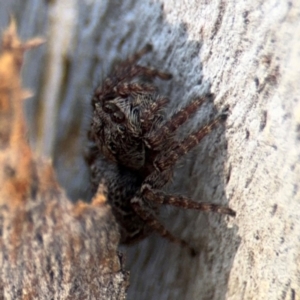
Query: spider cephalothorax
133,148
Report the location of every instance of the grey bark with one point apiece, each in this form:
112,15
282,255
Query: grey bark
247,53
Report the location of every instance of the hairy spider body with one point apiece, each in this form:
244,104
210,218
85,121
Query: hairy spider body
133,148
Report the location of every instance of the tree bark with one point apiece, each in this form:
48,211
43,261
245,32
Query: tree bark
50,248
246,53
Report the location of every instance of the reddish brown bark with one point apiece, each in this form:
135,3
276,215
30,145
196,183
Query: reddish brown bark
49,246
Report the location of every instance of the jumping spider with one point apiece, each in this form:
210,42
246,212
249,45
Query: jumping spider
133,149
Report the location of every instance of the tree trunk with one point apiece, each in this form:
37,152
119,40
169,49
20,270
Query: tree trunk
247,54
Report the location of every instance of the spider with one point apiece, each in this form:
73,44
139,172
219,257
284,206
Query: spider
132,147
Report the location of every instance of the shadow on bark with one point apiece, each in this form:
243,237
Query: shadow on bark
112,31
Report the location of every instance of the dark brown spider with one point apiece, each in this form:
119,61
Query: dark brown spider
133,149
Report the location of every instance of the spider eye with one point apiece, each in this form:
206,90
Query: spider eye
118,117
109,108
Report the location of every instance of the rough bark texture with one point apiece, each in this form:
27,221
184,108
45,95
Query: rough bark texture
50,248
248,52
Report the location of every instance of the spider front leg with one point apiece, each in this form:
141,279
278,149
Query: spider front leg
124,89
168,158
138,55
137,70
156,138
129,69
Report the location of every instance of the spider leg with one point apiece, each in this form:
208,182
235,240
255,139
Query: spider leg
148,72
129,69
127,73
138,205
168,158
138,55
156,138
125,88
160,197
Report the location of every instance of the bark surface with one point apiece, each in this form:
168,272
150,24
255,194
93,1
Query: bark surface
50,247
